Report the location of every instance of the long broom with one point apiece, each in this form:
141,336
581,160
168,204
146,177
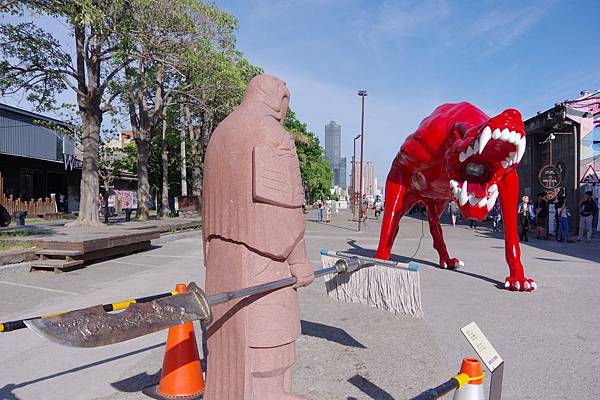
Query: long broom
387,285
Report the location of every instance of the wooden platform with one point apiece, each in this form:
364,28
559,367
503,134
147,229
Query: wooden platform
73,247
61,248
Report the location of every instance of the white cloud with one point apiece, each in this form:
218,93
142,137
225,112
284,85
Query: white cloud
499,28
396,20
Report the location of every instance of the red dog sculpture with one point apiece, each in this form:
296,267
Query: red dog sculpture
459,153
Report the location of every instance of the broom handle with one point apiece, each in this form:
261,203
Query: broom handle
265,287
412,266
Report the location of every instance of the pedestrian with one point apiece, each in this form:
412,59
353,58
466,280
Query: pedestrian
524,217
61,202
563,220
378,208
453,208
365,207
587,209
496,215
335,206
541,212
320,208
328,212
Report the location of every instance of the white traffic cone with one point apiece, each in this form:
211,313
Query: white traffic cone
470,381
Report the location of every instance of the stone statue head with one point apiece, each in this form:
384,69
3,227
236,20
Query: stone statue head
271,92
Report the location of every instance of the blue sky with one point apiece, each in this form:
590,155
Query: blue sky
414,55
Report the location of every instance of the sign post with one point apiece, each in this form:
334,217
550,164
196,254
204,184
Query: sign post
488,354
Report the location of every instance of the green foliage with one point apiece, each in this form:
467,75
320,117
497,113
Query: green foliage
32,62
317,176
128,161
148,55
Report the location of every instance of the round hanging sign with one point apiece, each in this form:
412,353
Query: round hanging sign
550,177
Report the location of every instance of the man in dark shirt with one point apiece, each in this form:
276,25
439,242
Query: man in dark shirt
588,209
541,213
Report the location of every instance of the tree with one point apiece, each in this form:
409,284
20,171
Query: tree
317,176
161,36
217,83
35,62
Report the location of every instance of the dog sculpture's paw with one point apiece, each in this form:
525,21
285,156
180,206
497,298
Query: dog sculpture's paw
520,284
452,263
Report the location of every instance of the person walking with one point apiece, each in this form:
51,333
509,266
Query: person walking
496,215
365,207
588,208
563,220
328,211
453,208
378,208
524,218
541,212
320,208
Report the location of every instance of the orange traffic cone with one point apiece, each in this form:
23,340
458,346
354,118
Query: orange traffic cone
181,376
471,381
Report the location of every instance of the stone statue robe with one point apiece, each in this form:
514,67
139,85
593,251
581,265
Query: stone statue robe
253,229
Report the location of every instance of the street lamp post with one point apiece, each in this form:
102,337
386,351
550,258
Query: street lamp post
362,94
354,178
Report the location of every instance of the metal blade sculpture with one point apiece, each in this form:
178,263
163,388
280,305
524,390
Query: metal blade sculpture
94,327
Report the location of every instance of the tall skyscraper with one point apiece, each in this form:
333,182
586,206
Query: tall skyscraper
342,173
333,141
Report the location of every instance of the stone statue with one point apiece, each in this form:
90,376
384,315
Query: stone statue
253,228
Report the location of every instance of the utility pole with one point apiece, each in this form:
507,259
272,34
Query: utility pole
362,94
354,178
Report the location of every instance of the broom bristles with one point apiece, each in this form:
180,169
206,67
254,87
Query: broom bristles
395,290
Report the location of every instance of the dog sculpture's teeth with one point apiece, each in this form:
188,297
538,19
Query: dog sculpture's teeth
503,135
521,148
464,196
484,138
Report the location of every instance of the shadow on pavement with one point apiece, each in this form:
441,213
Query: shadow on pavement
586,251
356,249
361,251
137,382
330,333
314,221
493,281
369,388
6,390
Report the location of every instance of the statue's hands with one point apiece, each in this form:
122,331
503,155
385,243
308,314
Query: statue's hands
304,273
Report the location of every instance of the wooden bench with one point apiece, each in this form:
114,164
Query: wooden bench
53,215
70,252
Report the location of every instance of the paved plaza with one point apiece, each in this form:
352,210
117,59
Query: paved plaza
549,338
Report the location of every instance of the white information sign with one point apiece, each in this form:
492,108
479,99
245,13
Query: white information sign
482,346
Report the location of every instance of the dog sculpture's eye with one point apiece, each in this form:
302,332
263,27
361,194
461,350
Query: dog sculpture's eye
475,169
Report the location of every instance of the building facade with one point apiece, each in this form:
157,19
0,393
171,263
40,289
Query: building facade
333,142
369,178
568,137
370,184
36,159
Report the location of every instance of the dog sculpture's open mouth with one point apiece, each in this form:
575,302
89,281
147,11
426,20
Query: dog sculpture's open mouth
487,156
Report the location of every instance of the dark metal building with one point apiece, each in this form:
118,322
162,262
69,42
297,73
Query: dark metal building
35,160
566,136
